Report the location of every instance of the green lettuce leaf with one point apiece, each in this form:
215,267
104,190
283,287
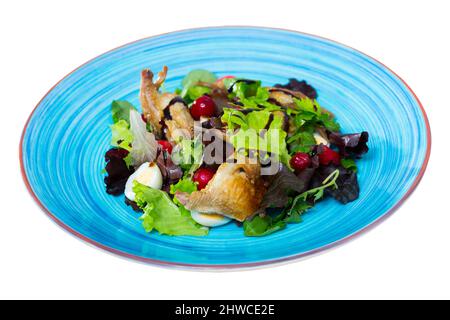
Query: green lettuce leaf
195,92
262,226
234,119
301,142
307,119
310,115
258,120
121,110
192,78
164,216
273,141
304,117
254,96
250,135
188,154
259,100
309,105
329,122
183,185
277,122
245,88
121,135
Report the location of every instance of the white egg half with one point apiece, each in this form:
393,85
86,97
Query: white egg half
321,140
147,174
209,219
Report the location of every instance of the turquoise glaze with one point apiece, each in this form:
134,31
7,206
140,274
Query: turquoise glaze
68,133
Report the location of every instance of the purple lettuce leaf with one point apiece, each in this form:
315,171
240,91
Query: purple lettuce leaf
117,169
354,144
281,185
301,86
347,182
171,173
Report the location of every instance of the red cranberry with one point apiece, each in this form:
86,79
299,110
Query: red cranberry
143,118
202,177
300,161
329,156
165,145
203,107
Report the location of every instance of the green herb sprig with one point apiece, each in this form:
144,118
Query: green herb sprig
264,225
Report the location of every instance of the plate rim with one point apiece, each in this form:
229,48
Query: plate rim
232,266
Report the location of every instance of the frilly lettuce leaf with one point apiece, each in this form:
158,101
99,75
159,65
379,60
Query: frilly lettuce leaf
252,133
272,140
164,216
183,185
132,135
144,146
256,120
251,94
121,135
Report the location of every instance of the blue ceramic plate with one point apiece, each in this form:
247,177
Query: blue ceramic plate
66,136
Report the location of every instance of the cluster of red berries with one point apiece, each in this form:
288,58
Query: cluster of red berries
301,161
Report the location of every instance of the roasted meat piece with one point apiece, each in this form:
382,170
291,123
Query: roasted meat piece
235,191
173,123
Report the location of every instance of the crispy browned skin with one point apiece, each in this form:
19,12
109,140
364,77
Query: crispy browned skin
181,125
296,94
236,191
149,97
285,98
153,104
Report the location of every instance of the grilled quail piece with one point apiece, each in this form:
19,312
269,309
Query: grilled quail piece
236,191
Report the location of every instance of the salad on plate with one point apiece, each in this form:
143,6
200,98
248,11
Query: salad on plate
228,149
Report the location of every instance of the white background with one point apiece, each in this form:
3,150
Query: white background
408,256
